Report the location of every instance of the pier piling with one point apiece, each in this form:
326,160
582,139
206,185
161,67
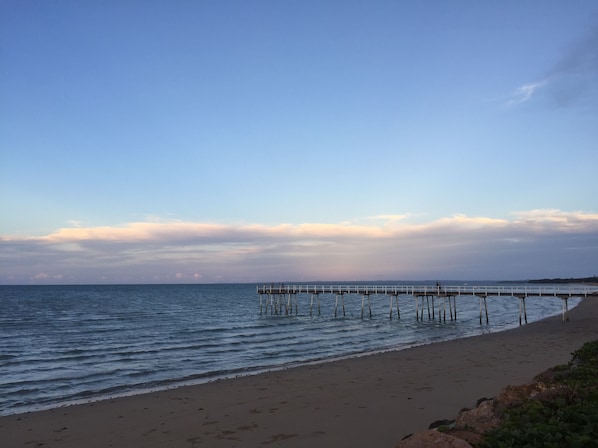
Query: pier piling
565,309
363,304
483,299
416,310
428,303
455,306
279,296
522,309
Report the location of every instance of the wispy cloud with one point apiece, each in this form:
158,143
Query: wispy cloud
572,80
391,218
528,244
525,92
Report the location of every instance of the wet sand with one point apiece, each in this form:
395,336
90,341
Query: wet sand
369,401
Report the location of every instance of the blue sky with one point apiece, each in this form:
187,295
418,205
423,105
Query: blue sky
180,141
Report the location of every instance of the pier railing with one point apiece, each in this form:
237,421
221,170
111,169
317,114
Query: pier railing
432,290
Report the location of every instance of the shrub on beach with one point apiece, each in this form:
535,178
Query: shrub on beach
564,420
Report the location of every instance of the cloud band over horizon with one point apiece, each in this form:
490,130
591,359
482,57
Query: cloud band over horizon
385,247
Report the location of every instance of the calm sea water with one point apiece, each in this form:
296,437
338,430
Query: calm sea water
67,344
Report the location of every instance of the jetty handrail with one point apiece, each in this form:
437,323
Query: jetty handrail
455,290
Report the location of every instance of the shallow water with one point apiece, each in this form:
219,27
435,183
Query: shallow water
66,344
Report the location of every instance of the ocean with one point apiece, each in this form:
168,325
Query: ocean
61,345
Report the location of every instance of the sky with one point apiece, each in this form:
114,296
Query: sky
250,141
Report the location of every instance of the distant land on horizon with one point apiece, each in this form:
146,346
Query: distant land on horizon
593,279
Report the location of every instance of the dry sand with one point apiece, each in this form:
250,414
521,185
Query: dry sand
370,401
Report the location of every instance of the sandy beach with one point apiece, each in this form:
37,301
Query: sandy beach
369,401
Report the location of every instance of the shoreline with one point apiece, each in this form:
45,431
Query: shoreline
374,399
231,375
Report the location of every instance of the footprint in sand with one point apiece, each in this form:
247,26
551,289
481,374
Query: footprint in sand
278,438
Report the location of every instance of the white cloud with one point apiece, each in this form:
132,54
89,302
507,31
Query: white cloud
544,242
552,219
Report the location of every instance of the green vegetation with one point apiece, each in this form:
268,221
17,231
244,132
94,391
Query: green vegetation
566,418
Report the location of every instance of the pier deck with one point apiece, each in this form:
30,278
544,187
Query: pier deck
281,296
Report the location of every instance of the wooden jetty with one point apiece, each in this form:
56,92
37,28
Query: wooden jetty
280,298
